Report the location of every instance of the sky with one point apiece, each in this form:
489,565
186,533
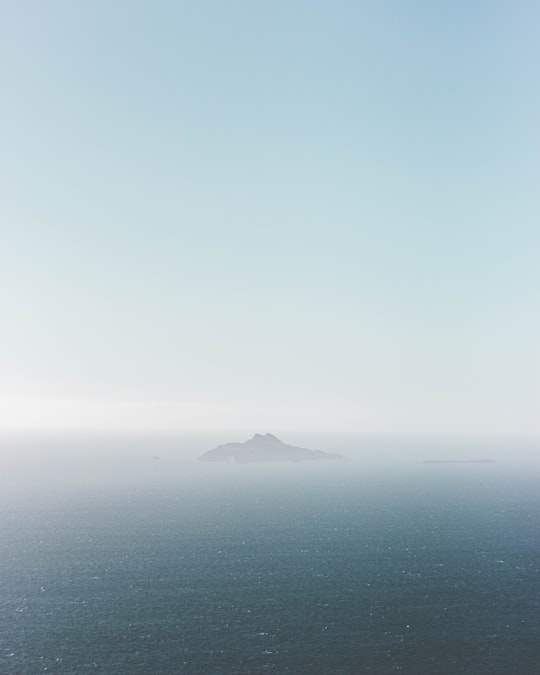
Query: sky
286,215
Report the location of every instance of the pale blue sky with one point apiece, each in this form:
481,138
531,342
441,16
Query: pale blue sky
270,215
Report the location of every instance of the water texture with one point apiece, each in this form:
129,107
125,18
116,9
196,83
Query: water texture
292,569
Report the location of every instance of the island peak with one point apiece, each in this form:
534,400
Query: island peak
267,437
264,448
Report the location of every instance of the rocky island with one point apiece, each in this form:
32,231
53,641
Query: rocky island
264,448
458,461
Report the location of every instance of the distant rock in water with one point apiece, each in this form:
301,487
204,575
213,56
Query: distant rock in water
265,448
458,461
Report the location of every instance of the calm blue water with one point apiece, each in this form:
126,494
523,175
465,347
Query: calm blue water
113,562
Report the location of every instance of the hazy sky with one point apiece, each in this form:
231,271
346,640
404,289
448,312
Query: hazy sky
275,215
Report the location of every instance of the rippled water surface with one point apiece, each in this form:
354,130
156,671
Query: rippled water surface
115,562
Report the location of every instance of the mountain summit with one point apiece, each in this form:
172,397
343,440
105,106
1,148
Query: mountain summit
264,448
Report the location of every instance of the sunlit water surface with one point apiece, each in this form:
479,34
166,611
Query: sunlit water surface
125,555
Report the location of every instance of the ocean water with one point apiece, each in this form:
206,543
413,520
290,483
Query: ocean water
114,561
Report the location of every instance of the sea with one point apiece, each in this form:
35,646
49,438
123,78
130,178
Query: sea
123,555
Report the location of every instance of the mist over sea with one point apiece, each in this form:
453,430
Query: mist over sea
124,555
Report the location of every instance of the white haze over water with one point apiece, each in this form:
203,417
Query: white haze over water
171,416
64,460
123,554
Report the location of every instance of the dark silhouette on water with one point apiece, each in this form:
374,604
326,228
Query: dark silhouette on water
267,448
458,461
